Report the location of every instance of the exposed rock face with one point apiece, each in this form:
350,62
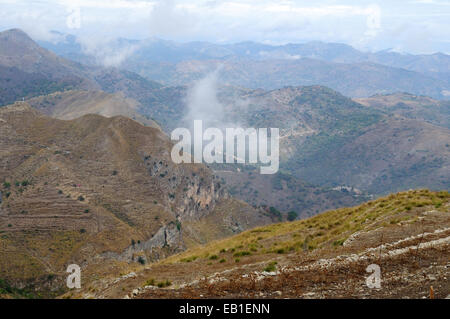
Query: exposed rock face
167,240
191,196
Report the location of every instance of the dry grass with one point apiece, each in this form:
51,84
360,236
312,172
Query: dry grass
329,229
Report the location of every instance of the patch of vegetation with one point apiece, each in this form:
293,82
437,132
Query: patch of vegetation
141,260
271,266
292,216
276,213
150,282
188,260
242,253
7,289
164,284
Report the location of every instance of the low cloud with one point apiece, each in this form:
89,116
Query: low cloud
202,102
365,26
107,52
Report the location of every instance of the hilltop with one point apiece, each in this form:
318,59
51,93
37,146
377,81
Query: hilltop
411,106
324,256
71,104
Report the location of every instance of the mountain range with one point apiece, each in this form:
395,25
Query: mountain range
255,65
86,174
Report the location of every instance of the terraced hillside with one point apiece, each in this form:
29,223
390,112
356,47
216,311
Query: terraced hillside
407,234
102,193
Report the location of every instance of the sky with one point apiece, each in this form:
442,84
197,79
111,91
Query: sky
410,26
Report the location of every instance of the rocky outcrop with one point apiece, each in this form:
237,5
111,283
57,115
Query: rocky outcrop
167,241
191,194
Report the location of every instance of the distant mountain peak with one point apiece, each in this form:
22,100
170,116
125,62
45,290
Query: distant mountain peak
15,34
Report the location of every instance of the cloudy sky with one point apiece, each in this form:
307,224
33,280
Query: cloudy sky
416,26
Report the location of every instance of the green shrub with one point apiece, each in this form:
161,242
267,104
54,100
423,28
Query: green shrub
338,242
292,216
271,267
150,282
164,284
242,253
275,212
188,260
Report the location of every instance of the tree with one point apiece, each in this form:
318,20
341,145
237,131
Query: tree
292,216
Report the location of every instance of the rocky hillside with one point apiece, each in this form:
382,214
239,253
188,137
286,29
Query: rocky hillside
285,195
330,140
355,80
411,106
102,193
406,234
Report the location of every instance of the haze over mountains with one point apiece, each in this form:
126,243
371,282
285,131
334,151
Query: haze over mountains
319,126
85,161
29,70
255,65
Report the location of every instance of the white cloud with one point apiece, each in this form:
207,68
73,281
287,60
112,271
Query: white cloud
365,24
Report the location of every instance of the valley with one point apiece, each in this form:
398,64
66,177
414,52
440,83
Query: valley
87,178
